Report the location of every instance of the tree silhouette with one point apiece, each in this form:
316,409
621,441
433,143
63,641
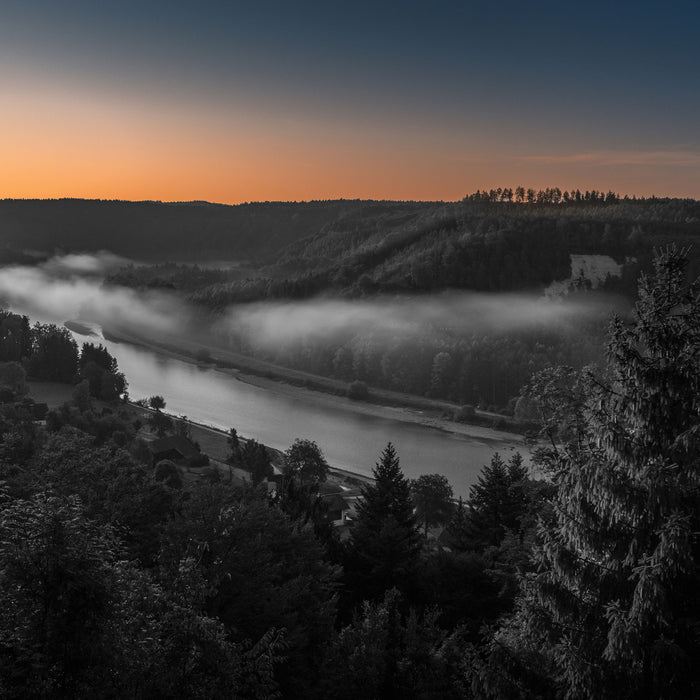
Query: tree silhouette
614,607
385,541
432,496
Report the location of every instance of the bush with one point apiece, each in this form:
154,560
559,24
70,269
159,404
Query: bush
200,460
167,472
203,355
358,390
464,413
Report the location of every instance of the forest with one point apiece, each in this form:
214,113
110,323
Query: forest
493,244
121,579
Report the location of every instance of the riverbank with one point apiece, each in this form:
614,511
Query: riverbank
212,441
322,390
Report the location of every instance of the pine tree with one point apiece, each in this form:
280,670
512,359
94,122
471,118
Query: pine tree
496,503
615,604
458,531
386,540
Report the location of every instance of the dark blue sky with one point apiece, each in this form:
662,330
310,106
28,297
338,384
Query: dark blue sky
428,99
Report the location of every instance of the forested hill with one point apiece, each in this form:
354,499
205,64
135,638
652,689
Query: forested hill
154,231
356,245
474,245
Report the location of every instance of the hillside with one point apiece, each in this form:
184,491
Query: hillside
154,231
382,292
490,247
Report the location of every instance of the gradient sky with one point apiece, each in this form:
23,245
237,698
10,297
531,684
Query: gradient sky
232,102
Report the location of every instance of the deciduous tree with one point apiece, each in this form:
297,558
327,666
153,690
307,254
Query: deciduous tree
432,496
304,461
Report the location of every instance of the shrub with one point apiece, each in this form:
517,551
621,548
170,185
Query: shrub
200,460
358,390
167,472
464,413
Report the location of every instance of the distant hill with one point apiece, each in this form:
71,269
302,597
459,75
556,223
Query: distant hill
353,247
181,231
478,246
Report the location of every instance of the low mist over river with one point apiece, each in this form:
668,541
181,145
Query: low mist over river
71,287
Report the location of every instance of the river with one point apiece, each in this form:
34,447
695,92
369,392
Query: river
349,439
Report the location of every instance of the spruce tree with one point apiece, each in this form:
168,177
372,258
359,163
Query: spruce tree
496,502
386,540
615,603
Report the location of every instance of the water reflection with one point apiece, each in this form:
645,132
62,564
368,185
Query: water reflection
348,439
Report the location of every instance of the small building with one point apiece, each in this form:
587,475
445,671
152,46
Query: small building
338,508
174,447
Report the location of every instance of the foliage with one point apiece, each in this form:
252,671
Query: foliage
261,571
497,502
614,606
54,355
358,390
255,459
15,337
167,472
432,497
304,462
385,541
114,489
55,577
234,446
78,621
100,369
464,413
157,403
161,423
385,654
13,376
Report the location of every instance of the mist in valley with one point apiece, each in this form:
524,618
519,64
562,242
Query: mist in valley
72,287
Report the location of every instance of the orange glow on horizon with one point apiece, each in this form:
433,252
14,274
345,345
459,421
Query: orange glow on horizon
57,143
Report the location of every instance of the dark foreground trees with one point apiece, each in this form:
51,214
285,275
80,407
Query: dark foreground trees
386,540
613,610
432,497
78,620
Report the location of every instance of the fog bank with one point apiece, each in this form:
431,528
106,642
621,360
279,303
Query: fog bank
70,287
272,323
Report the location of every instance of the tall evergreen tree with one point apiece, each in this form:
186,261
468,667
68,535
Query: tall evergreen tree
386,539
615,604
496,502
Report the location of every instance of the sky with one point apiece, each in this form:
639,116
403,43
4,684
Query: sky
255,101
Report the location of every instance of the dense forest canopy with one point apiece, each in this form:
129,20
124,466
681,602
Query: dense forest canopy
127,575
204,232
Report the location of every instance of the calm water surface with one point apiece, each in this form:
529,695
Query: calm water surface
349,440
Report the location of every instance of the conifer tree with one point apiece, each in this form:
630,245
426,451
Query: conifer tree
615,604
386,539
496,503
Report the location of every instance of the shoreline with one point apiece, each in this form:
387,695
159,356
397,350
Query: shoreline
341,474
293,383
